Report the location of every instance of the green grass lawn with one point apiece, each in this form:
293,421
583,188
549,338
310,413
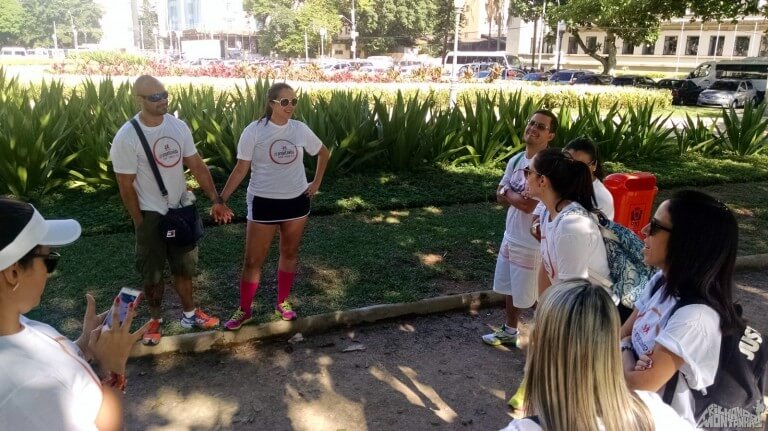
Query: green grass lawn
347,260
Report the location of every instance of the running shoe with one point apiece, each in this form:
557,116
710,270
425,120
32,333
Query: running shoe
285,311
199,320
153,334
238,319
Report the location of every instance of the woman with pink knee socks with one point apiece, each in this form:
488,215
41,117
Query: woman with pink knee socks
278,200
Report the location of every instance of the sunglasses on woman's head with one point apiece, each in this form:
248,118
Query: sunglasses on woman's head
285,102
654,227
51,260
156,97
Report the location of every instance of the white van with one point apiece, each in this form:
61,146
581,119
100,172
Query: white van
465,58
15,51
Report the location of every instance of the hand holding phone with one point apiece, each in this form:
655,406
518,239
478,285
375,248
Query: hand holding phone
124,299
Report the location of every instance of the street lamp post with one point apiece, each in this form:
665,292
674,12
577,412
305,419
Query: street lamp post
74,30
560,31
458,7
353,32
322,41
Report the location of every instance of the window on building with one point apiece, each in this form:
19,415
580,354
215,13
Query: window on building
627,48
338,52
741,46
670,45
549,47
716,45
649,48
573,47
692,45
591,43
605,47
763,47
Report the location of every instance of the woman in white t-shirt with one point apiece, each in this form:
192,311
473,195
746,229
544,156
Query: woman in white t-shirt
571,370
583,150
692,239
278,199
45,380
571,243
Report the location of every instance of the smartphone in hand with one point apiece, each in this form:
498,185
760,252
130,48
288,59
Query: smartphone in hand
127,296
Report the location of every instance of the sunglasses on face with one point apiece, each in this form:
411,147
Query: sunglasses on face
51,260
540,126
285,102
156,97
654,227
529,171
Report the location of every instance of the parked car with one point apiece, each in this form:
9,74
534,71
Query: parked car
536,76
407,67
687,94
634,81
594,79
728,92
567,76
669,84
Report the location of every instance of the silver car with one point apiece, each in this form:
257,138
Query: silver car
728,92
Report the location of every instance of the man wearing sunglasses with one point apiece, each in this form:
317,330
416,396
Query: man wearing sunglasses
519,255
172,148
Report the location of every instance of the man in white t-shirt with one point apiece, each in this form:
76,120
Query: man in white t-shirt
519,257
172,147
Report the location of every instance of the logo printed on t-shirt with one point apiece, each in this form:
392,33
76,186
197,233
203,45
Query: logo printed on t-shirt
167,152
283,152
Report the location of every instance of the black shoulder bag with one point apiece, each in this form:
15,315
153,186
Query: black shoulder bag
179,226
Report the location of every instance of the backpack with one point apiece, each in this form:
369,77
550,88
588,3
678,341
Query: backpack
629,274
735,400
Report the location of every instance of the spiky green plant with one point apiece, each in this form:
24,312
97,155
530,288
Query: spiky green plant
745,134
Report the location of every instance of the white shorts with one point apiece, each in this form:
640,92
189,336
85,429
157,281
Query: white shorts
517,273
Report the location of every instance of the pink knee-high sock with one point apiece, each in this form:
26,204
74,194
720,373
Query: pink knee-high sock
247,292
284,285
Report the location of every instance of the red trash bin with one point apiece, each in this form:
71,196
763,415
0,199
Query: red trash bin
633,196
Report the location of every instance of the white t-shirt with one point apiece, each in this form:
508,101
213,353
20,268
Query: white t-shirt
517,230
170,142
276,154
692,333
604,198
572,246
45,384
663,417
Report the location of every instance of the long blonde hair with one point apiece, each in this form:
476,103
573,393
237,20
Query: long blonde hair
573,377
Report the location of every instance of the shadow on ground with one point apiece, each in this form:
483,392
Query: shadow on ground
416,373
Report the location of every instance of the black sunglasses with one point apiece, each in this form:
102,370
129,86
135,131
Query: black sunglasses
654,227
163,95
541,126
284,102
51,260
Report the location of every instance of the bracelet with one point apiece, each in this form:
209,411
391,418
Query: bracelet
219,200
116,381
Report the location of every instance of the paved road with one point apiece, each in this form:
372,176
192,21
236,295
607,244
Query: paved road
418,373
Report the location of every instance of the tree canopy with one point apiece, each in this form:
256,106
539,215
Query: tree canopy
11,21
39,16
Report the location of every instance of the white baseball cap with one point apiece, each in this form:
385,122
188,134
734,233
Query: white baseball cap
39,231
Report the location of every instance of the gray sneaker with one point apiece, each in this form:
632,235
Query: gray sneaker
501,336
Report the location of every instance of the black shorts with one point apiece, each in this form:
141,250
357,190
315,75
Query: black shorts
271,211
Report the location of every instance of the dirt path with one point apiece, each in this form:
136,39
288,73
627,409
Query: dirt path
418,373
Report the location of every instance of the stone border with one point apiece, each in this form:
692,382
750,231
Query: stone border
202,341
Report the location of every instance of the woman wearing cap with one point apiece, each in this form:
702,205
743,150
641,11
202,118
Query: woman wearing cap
45,379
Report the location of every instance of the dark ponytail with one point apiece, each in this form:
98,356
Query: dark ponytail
272,94
586,145
570,179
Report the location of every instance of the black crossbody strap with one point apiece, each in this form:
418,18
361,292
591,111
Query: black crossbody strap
150,158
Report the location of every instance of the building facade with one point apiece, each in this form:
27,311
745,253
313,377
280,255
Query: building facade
683,43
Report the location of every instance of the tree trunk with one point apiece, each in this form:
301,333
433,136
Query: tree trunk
607,61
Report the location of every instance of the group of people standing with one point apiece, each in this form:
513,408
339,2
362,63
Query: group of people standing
49,382
593,364
584,370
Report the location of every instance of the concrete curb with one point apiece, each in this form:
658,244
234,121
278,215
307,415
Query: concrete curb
202,341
